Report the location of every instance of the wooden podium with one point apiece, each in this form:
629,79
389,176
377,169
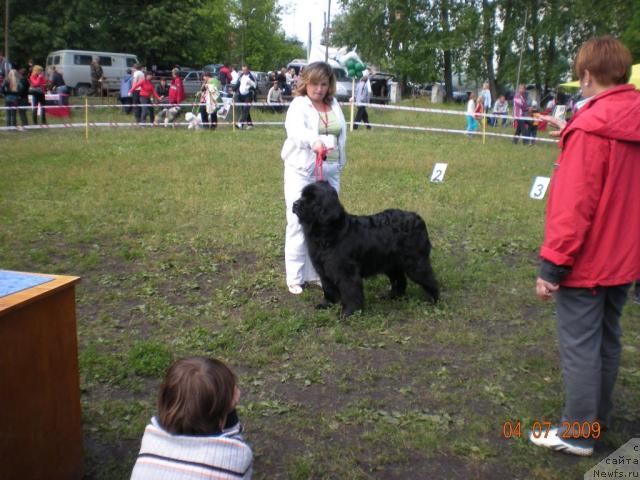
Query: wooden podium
40,417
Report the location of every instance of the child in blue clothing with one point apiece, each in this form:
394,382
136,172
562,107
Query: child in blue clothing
472,125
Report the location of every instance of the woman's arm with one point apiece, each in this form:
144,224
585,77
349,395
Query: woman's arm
296,126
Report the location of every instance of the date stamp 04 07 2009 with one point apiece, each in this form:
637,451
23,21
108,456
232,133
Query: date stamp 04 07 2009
566,430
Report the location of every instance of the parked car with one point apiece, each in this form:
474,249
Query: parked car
380,87
343,84
263,83
192,81
461,96
212,68
297,64
74,65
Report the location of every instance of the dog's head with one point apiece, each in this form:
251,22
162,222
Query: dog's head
194,121
319,205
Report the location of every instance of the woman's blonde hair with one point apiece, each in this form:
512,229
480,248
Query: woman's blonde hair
12,76
36,70
315,73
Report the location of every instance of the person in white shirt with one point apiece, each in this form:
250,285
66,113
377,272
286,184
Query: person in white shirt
486,97
362,96
246,85
137,75
500,108
315,125
472,125
274,97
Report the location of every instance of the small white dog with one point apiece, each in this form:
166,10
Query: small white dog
193,120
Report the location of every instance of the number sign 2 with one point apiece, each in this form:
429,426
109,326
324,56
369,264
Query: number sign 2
539,187
437,175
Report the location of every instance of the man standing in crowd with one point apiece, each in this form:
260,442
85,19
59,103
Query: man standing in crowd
224,76
246,85
362,96
136,77
97,77
519,107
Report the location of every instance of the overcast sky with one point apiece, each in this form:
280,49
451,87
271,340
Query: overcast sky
298,13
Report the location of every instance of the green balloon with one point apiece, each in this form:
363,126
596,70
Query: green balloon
359,67
351,72
350,63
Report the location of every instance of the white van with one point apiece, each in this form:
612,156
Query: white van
75,67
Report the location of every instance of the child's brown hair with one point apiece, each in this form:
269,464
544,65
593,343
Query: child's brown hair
196,396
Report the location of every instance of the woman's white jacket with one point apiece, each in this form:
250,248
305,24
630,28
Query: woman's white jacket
302,132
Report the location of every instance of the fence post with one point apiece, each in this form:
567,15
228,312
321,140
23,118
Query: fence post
353,97
233,113
484,129
86,119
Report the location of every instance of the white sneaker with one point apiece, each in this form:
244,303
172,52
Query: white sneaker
239,125
249,127
554,442
295,289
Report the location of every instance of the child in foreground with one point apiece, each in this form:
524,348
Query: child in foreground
196,434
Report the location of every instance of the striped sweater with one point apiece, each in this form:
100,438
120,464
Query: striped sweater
184,457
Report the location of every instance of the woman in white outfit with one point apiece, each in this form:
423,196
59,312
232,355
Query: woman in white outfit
314,121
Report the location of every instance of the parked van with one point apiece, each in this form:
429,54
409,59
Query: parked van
74,65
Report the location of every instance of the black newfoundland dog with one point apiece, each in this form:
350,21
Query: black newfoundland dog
346,248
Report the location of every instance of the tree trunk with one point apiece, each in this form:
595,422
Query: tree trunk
448,71
504,42
536,44
488,30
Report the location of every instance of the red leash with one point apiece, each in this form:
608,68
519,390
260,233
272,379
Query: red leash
321,156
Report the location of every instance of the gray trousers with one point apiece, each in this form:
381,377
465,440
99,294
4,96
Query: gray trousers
589,337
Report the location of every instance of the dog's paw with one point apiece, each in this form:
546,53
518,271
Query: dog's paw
347,312
391,295
323,305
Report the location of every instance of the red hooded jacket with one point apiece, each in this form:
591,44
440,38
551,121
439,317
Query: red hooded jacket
593,214
176,91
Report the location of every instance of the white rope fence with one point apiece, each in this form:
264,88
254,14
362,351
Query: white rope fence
185,107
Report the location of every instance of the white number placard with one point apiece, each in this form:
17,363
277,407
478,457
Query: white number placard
539,187
437,175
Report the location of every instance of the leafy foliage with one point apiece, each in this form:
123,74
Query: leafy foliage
479,40
159,32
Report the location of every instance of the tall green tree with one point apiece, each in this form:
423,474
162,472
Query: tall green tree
160,32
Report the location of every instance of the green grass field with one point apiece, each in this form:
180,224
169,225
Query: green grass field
178,237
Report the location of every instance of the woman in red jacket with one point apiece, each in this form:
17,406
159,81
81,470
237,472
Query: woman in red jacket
147,91
38,85
591,255
176,89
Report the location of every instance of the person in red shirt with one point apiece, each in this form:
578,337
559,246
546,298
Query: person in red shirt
590,255
38,84
224,76
147,91
176,89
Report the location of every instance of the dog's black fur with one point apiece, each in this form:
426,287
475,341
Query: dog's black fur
346,248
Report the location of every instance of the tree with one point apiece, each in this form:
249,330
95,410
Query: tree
482,40
159,32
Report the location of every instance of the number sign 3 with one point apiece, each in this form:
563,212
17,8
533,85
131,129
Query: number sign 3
539,188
